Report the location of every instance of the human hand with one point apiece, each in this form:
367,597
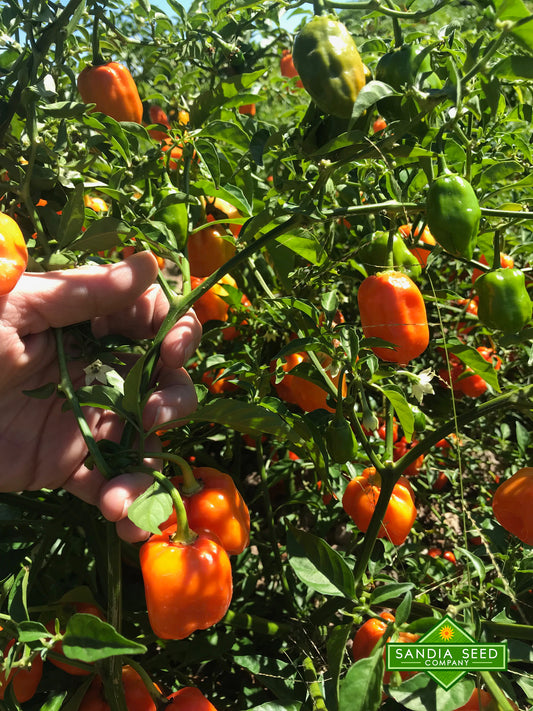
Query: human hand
42,443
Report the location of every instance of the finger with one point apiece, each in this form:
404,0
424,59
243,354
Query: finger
63,298
175,398
143,320
181,341
117,494
129,532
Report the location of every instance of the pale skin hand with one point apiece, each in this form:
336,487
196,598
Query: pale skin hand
43,445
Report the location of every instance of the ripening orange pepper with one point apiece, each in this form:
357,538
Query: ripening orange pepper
217,385
392,308
157,115
401,447
210,248
506,261
481,700
420,253
211,305
247,109
473,385
360,499
13,253
188,586
216,509
111,87
369,634
297,390
137,695
287,67
512,504
24,681
189,699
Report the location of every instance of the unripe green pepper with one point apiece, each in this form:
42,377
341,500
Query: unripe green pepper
453,214
340,440
504,302
419,423
174,215
399,68
329,65
373,255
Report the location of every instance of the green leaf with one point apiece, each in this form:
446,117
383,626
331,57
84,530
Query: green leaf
370,94
515,67
391,590
89,639
404,608
318,565
273,706
498,172
360,690
102,234
230,193
54,702
306,246
478,567
276,675
42,393
336,650
244,417
402,410
29,631
420,693
474,360
151,508
227,132
72,218
515,10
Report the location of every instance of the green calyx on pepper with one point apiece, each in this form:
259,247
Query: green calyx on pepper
373,255
329,65
453,214
504,302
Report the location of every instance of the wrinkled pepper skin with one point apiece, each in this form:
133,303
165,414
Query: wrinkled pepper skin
188,586
217,509
340,440
360,499
329,65
392,308
453,214
504,302
111,87
373,255
13,253
512,504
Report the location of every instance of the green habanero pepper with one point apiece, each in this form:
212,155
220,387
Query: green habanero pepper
399,68
329,65
373,255
453,214
340,440
504,302
173,214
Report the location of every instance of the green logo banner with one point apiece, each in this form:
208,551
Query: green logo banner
446,652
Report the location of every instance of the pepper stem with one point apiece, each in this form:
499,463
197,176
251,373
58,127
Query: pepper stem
496,260
183,533
190,483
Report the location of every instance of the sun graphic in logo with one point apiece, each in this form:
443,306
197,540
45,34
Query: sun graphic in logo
446,633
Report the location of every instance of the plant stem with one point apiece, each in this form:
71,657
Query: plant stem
183,533
67,388
311,679
258,624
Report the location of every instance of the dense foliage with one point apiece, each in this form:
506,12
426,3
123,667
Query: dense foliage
291,209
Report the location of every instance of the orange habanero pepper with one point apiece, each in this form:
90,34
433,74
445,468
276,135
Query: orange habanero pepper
216,509
188,585
189,699
392,308
13,253
111,87
512,504
360,499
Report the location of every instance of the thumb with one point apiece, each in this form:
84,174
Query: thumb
63,298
